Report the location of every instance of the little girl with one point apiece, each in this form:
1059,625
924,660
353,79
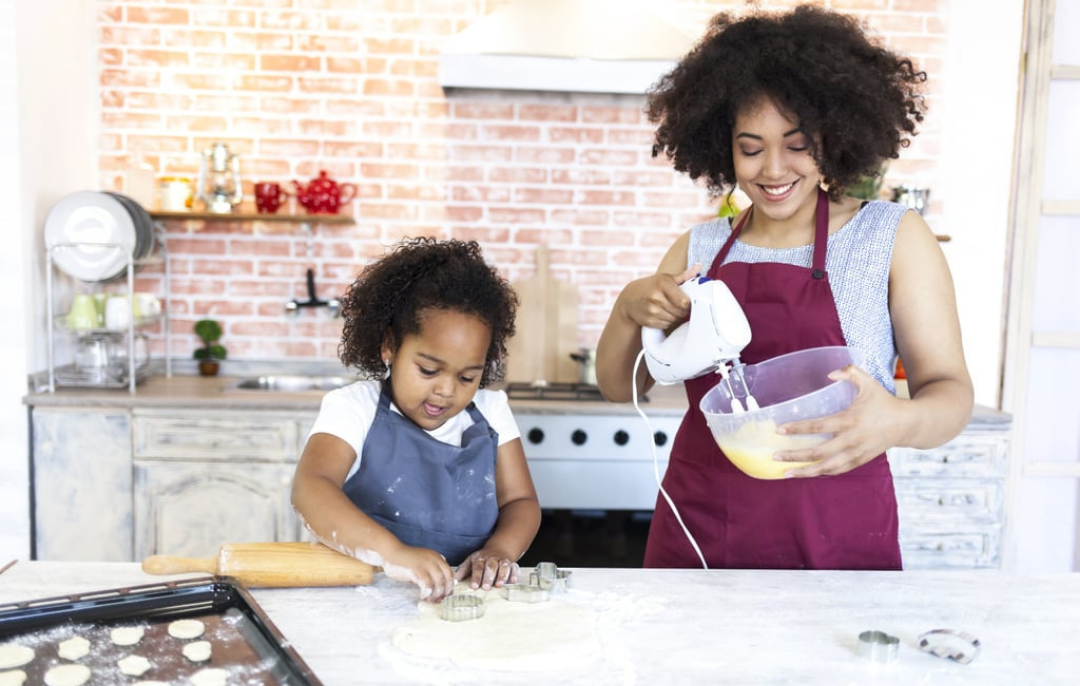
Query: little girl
418,468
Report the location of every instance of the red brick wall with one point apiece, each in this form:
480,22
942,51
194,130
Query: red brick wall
352,88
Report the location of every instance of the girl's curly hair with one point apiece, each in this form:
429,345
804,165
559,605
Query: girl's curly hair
859,102
391,295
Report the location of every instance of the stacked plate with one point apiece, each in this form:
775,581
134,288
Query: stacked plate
90,234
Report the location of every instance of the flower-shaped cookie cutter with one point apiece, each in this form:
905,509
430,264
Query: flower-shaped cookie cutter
546,580
461,608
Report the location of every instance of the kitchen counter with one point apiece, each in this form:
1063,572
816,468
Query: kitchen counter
685,627
221,392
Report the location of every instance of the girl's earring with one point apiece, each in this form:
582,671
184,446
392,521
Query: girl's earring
386,362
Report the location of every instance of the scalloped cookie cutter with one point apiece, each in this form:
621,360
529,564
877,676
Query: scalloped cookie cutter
461,608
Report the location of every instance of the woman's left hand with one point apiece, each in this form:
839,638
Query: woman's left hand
488,569
859,434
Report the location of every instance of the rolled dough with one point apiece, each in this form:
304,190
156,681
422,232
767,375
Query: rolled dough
14,655
67,675
186,628
520,637
210,677
199,651
15,677
134,665
126,635
74,648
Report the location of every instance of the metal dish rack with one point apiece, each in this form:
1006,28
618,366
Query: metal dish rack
69,374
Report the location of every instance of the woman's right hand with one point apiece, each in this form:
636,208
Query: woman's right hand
423,567
656,301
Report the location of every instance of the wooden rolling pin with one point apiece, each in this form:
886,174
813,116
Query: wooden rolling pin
271,565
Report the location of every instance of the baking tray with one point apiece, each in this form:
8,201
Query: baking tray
244,641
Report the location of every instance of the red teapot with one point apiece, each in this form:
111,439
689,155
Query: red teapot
323,195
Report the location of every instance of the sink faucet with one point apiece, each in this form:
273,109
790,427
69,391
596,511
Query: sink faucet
293,306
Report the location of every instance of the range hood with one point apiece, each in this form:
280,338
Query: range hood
595,46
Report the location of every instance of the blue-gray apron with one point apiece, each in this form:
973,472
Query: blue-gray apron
428,493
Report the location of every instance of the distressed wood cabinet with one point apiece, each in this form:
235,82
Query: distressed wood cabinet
121,484
952,500
201,480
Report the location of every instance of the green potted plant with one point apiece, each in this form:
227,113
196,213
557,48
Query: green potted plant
210,354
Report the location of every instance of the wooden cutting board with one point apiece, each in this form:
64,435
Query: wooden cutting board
272,565
547,327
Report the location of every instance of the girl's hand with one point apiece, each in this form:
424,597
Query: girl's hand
423,567
488,568
860,433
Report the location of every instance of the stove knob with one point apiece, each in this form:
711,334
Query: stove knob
579,437
621,437
536,435
659,438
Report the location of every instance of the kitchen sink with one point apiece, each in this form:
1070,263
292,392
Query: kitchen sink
293,384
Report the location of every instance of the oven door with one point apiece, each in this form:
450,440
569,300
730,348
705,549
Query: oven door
596,461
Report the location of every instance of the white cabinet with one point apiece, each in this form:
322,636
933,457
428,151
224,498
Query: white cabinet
951,500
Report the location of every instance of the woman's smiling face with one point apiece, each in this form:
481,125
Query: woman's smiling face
774,163
436,373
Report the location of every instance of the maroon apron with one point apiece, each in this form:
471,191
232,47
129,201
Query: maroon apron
847,521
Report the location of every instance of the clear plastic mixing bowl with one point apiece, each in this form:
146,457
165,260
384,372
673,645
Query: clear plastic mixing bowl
787,388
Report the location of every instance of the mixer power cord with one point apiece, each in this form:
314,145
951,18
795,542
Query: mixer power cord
656,464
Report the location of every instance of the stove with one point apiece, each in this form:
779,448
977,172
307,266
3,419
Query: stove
557,390
588,454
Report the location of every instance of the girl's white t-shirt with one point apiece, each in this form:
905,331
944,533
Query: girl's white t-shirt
348,413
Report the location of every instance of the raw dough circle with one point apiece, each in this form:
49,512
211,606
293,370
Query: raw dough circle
561,636
15,677
74,648
67,675
126,635
210,677
134,665
150,683
14,655
186,628
198,651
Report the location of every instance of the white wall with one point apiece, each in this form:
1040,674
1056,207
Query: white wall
982,71
48,116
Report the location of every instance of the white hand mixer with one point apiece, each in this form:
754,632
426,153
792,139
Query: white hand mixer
710,341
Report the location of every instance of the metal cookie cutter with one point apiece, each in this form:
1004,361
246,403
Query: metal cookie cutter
550,578
878,646
461,608
958,646
522,593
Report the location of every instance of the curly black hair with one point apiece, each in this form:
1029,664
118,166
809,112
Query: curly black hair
858,102
391,295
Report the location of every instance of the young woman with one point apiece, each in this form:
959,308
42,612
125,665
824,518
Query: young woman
793,108
420,467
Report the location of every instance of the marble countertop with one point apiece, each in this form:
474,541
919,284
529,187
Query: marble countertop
683,627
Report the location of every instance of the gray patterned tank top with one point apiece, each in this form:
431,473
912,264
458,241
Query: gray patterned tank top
857,259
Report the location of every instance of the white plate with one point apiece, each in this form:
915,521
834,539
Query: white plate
88,218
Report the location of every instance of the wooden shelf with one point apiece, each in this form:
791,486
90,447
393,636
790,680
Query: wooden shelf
247,216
